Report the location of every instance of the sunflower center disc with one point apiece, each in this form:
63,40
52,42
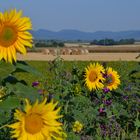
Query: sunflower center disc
110,80
92,76
8,36
33,123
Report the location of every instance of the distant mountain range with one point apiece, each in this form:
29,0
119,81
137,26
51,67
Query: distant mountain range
79,35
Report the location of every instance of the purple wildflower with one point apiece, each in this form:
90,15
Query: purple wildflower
125,97
40,91
34,84
101,110
105,75
103,129
106,90
128,88
107,102
102,126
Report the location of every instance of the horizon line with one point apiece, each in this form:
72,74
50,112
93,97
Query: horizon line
134,30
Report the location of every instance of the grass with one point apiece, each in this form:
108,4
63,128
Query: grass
123,67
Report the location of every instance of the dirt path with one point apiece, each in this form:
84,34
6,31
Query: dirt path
85,57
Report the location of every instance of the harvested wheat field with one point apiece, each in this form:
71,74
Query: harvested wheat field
97,53
84,57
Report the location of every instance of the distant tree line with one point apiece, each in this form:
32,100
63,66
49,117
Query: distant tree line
107,42
50,43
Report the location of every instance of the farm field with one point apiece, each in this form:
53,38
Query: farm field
85,45
73,52
83,57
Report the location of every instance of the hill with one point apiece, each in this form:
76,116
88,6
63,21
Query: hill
79,35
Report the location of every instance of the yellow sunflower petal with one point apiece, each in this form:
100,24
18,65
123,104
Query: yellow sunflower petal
94,76
20,47
113,80
10,56
34,124
25,35
14,34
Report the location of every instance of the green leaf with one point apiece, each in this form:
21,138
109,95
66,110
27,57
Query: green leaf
98,137
73,136
9,103
23,91
109,113
5,69
137,123
23,67
3,117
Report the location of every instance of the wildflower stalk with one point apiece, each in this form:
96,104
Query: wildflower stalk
6,125
137,127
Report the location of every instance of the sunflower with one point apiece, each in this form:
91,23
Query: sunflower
94,76
14,35
38,122
113,79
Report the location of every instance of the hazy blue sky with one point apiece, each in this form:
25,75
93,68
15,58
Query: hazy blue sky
84,15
